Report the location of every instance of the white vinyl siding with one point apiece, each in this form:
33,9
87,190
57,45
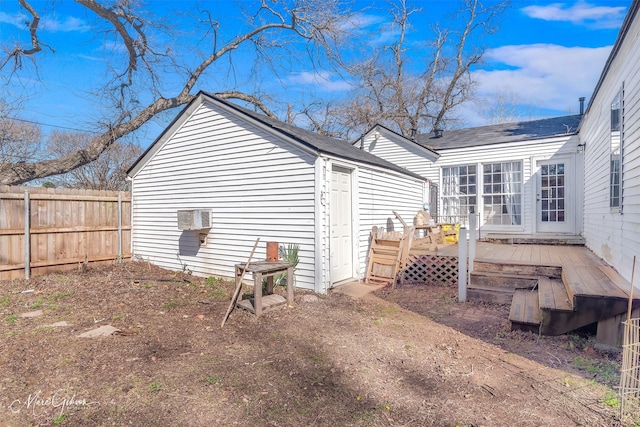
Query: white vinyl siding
256,185
381,193
611,234
406,154
527,153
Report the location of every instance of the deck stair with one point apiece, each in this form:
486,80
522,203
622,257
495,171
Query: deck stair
551,300
498,282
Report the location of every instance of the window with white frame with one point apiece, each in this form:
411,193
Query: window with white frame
459,192
502,193
615,164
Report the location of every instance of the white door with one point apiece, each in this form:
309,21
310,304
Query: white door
341,229
553,204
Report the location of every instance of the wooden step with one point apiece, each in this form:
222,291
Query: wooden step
492,294
525,310
552,295
592,281
501,280
519,268
592,293
508,239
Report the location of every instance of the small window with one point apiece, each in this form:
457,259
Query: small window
459,190
615,163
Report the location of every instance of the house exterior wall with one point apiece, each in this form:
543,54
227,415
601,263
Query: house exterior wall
392,148
381,193
612,233
376,193
527,152
255,184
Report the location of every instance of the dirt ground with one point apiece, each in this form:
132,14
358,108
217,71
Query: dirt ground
406,357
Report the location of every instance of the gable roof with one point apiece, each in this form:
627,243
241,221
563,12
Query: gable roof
312,141
502,133
378,127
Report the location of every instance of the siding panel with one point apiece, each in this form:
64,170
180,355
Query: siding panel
255,185
611,234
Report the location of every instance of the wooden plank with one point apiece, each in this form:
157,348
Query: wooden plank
63,228
596,283
525,308
62,197
616,279
269,302
573,282
552,295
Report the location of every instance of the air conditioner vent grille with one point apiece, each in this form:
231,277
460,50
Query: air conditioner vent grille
195,219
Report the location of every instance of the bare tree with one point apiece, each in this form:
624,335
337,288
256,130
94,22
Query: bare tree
107,172
392,90
19,140
138,75
501,108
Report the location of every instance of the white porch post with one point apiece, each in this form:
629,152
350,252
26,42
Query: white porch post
462,265
472,240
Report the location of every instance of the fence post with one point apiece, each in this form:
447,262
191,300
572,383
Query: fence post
472,240
462,265
27,235
119,227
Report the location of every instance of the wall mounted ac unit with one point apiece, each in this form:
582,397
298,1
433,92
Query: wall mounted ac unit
195,219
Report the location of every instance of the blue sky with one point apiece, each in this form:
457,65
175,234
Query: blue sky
546,54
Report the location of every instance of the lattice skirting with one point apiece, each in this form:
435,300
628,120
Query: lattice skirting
431,270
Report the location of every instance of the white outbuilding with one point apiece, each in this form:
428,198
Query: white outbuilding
240,175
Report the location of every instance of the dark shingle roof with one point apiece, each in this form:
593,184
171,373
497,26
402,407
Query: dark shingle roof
502,133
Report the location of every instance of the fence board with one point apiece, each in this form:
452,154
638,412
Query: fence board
66,227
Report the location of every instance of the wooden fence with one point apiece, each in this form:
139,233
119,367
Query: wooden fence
44,230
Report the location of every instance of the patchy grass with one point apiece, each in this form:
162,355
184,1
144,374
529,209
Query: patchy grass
323,363
604,371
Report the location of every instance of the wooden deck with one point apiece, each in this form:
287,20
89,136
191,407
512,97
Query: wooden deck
552,289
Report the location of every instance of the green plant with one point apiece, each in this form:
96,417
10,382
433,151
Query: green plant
290,254
11,318
60,419
213,379
611,399
604,371
154,387
5,301
38,303
214,281
218,292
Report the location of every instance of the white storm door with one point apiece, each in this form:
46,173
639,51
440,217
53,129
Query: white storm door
553,206
341,228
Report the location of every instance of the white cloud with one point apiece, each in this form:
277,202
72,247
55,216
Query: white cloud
581,13
53,25
358,21
69,24
321,80
17,19
543,75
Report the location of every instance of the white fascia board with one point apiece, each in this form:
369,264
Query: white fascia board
431,155
360,165
166,135
264,127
